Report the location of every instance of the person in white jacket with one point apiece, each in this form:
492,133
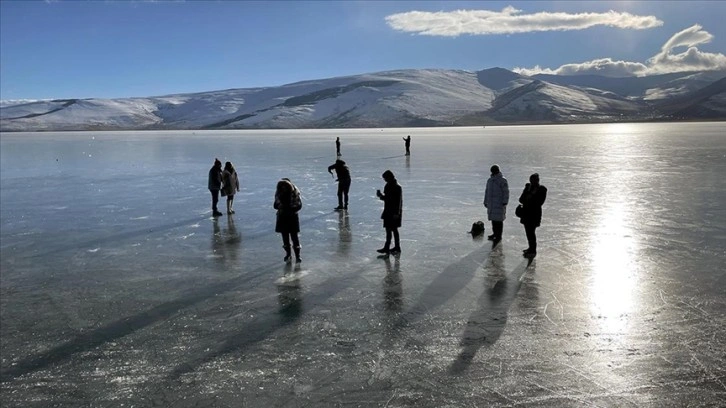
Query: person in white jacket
496,197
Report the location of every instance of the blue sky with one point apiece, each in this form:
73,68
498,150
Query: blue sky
112,49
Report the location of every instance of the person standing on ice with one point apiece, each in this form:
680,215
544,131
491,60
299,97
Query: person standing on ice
287,203
231,185
337,146
343,173
496,197
532,199
392,197
214,184
408,145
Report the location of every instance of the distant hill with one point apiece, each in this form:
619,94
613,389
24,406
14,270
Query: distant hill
399,98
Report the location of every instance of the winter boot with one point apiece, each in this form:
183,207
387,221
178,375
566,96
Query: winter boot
297,255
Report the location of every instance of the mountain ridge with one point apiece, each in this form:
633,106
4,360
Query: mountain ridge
396,98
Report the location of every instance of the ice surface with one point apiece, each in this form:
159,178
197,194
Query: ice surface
119,289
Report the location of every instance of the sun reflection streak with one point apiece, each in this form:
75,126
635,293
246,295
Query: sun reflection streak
613,286
620,129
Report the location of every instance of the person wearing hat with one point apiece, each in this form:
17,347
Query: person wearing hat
343,173
496,197
214,184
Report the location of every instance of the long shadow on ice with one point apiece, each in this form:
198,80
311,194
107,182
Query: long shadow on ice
147,231
445,286
290,309
126,326
91,243
486,324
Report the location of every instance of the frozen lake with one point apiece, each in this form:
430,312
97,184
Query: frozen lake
118,288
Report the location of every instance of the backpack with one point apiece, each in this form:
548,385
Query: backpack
477,228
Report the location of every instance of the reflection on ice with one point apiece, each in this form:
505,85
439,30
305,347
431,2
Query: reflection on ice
614,269
106,299
393,285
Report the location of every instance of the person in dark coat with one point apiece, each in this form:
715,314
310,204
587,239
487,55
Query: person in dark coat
532,198
231,185
214,184
408,145
392,197
343,173
337,145
287,203
496,197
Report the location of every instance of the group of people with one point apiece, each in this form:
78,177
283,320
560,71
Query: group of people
288,202
496,198
224,182
392,197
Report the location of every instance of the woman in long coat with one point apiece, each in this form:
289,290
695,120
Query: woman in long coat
392,197
231,185
532,199
496,197
287,203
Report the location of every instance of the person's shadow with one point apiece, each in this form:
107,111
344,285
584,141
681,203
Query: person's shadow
446,285
393,286
486,324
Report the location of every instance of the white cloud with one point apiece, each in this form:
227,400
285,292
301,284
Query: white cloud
510,21
604,66
692,59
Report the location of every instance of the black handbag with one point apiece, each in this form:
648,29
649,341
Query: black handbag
519,211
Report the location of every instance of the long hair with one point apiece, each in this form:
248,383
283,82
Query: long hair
228,166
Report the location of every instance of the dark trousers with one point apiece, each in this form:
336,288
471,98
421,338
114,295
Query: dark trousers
287,236
343,189
531,237
396,238
497,228
215,200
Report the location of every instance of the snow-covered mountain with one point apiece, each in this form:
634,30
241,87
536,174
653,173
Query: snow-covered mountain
389,99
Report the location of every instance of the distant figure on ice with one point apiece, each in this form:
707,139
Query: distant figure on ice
215,184
337,146
287,203
496,197
408,145
532,199
231,185
343,173
392,197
